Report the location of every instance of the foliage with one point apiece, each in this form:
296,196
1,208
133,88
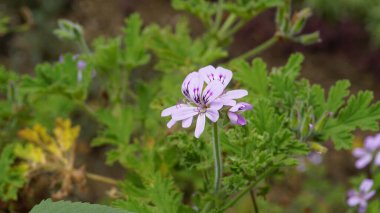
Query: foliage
65,207
122,83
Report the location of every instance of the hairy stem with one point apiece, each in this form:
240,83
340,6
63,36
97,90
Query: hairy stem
83,45
268,43
254,202
102,179
217,160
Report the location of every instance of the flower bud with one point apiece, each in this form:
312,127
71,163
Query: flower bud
309,39
318,147
68,30
299,20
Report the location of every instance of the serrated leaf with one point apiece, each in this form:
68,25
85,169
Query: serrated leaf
48,206
337,94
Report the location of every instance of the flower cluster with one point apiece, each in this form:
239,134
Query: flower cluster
208,101
360,198
369,152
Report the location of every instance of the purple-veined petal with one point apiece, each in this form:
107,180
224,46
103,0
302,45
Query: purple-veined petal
366,185
201,122
209,74
362,206
212,91
241,107
359,152
212,114
185,112
171,123
192,87
170,110
236,119
224,75
187,122
369,195
353,201
363,161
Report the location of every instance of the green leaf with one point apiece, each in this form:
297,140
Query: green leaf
255,76
358,113
12,178
136,51
48,206
293,67
337,94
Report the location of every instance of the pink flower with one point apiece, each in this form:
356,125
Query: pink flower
369,152
203,102
360,198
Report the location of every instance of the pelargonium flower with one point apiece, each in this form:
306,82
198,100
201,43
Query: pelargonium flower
235,117
368,152
360,198
203,102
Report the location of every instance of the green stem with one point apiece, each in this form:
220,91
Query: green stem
219,14
247,189
217,160
102,179
83,45
268,43
227,24
253,198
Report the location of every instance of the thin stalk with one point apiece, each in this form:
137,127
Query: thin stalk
83,45
219,14
102,179
227,24
268,43
254,202
247,189
218,167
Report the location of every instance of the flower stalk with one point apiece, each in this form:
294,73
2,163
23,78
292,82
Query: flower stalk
218,167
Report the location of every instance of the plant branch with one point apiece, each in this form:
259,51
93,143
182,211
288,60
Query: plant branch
217,159
254,202
268,43
247,189
102,179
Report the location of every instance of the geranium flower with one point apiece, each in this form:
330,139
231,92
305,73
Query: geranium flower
203,102
368,152
235,117
360,198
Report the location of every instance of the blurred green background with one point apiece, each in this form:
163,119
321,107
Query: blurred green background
350,32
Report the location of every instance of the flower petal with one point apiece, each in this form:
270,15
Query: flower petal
170,110
241,107
171,123
353,201
187,122
235,94
192,87
372,143
224,75
184,112
366,185
212,91
377,159
212,114
201,122
208,73
217,105
369,195
363,161
359,152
